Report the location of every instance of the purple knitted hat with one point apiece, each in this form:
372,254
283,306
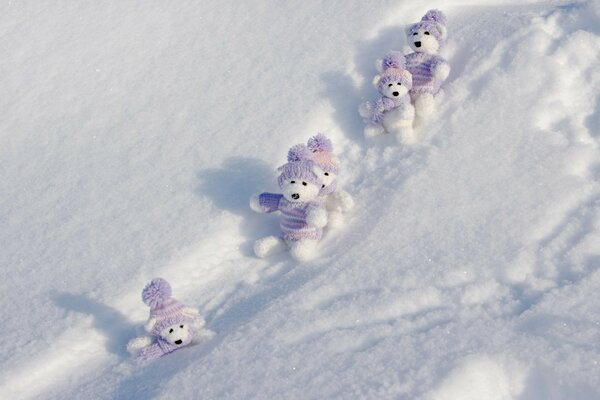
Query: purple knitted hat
298,170
299,152
434,21
163,307
322,153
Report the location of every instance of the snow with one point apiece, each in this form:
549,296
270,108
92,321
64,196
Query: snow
133,135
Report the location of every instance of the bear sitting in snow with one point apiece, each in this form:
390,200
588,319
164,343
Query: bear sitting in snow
171,325
393,112
428,69
303,214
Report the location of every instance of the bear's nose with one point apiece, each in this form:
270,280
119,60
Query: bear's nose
178,341
418,44
295,196
395,93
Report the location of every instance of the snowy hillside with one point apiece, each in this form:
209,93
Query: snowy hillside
133,134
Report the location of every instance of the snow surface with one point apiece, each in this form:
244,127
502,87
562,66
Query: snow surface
133,134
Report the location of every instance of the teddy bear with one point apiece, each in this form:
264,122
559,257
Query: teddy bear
428,69
393,112
319,149
303,214
171,325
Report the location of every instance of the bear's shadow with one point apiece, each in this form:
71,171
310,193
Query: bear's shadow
115,326
345,96
230,187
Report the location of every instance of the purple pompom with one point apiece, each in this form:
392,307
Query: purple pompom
156,292
320,143
435,16
394,59
299,152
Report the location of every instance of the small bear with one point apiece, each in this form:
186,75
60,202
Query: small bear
428,69
393,112
303,214
319,149
171,325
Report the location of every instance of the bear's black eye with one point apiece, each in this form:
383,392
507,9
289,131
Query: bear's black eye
399,84
292,181
427,33
326,173
390,85
415,34
171,330
303,183
181,326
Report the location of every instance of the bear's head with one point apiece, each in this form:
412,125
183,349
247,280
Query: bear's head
178,334
395,81
300,181
319,150
429,34
169,319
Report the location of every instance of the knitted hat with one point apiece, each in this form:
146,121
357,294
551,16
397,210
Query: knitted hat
163,307
299,152
434,21
298,170
394,70
322,153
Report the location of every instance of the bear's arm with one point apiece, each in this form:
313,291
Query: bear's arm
269,202
440,69
380,107
316,215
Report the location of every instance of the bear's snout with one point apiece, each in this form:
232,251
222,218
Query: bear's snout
395,93
295,196
418,44
178,341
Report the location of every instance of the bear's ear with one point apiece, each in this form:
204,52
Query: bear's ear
376,80
379,65
442,30
148,326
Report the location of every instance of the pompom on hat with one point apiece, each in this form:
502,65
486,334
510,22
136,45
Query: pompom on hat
322,153
165,309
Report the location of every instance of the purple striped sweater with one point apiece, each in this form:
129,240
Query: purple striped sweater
293,216
421,67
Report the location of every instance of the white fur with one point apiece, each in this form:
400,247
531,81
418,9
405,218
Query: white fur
394,90
443,31
376,80
255,203
335,220
317,218
176,332
424,104
429,44
441,71
341,200
138,343
398,119
305,190
268,246
303,250
365,110
326,178
149,325
373,130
